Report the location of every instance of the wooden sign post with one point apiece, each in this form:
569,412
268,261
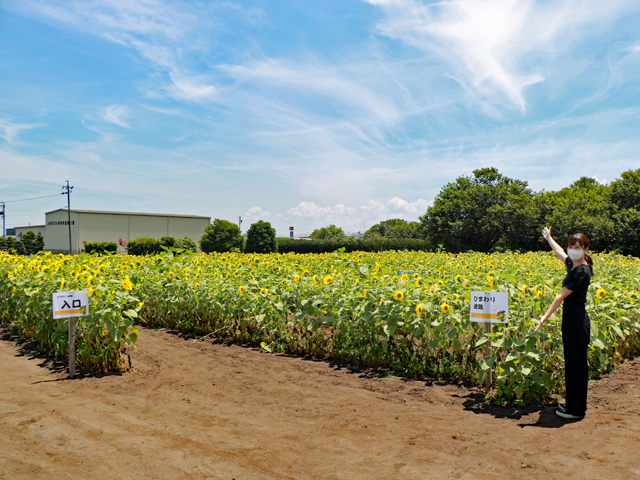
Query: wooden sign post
489,308
70,305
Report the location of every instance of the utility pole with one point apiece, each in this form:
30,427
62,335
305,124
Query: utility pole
240,224
66,190
3,223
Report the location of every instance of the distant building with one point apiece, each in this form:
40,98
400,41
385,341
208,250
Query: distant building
102,226
302,236
356,235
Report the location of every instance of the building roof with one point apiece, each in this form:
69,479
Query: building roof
104,212
31,226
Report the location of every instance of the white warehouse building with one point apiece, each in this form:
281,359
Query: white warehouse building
101,226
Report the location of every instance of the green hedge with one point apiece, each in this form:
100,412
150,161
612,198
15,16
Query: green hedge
102,248
152,246
286,245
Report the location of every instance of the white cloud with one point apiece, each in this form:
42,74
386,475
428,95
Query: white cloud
318,79
351,218
9,131
419,206
116,114
495,45
163,33
313,211
257,212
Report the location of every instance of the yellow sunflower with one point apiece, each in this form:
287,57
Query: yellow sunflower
398,295
241,288
419,310
600,293
445,308
328,279
316,280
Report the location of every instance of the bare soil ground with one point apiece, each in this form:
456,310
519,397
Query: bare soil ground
216,411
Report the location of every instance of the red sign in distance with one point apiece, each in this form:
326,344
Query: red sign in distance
290,228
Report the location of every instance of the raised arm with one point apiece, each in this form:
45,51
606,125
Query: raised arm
557,249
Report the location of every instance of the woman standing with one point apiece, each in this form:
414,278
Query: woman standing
576,327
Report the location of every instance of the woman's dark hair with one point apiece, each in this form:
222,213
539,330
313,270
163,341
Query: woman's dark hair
582,240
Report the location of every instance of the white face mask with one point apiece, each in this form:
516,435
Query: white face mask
575,254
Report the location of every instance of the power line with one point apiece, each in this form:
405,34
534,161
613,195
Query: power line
34,198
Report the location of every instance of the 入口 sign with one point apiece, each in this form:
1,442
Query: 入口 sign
489,307
70,304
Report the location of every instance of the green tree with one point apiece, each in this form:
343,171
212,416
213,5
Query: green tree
8,244
485,212
328,233
581,207
624,207
32,243
394,228
261,238
221,236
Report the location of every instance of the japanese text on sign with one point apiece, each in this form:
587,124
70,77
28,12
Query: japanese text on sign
491,307
70,304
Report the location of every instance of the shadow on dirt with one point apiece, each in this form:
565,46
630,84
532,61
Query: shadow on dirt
476,403
32,350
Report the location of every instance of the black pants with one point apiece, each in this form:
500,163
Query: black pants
576,334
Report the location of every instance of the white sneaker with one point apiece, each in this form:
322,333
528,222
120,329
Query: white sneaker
564,414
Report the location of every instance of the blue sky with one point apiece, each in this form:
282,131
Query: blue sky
307,113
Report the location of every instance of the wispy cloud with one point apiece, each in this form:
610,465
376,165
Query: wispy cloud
116,114
496,45
165,34
317,79
9,130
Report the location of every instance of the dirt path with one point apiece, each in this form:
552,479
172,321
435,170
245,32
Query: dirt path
199,410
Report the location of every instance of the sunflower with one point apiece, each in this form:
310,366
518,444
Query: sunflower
490,281
104,332
377,267
600,293
444,307
241,288
90,291
296,278
170,274
285,282
364,294
328,279
456,278
398,295
404,277
419,310
127,284
523,290
316,280
418,282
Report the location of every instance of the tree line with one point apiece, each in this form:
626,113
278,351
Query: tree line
489,212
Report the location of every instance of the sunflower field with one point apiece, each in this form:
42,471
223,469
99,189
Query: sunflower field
403,311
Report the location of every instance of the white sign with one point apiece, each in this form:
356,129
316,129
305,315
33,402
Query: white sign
490,307
70,304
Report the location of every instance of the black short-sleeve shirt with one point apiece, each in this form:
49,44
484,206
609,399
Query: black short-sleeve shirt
577,280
